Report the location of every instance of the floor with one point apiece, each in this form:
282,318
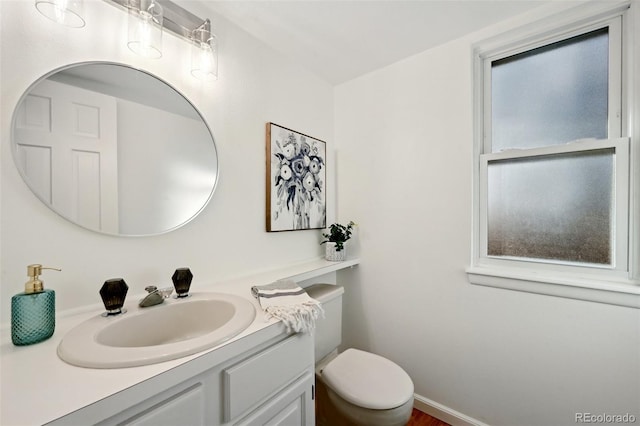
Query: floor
418,418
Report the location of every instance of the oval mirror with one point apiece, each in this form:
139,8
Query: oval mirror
114,149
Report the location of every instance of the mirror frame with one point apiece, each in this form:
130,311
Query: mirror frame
14,150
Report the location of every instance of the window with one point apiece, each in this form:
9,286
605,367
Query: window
554,162
556,93
559,207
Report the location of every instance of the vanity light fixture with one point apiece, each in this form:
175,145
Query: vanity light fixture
204,53
156,15
66,12
145,28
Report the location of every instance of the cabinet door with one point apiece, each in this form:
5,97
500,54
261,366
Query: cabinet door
254,380
293,406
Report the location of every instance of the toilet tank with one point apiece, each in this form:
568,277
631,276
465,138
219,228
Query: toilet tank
328,332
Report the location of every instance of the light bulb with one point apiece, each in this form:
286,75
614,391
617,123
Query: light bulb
204,55
65,12
145,29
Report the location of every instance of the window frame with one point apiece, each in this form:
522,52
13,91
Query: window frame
618,284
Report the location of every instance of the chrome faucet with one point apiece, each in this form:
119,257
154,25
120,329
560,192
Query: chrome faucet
155,297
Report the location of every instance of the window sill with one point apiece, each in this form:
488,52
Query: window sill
621,293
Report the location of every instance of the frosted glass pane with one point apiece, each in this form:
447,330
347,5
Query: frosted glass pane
552,207
551,95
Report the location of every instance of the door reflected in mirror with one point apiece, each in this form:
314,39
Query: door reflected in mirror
114,149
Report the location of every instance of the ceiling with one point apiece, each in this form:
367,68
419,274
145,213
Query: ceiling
341,40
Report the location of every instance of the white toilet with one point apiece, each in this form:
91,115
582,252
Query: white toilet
363,388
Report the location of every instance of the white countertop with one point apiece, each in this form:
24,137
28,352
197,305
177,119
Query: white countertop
38,387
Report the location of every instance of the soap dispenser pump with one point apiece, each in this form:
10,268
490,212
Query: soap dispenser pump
33,312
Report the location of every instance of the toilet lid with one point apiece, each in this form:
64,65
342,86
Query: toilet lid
368,380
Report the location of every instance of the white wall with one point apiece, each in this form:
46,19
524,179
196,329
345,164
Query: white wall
404,146
255,85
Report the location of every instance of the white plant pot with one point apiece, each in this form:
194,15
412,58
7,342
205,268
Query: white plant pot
335,256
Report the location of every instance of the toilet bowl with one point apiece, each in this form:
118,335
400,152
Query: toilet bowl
361,388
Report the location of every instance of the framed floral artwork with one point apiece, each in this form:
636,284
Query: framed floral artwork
296,180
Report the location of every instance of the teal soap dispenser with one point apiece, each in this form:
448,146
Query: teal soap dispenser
33,313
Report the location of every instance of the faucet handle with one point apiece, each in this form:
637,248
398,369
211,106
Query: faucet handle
182,281
113,293
150,288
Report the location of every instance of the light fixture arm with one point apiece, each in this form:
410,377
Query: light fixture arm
203,36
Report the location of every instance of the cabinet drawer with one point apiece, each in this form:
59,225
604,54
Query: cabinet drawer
255,379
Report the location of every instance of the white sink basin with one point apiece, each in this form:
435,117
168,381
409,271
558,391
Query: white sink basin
173,329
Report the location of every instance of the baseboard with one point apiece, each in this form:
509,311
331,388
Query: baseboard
443,412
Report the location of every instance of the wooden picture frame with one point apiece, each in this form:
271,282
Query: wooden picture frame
295,180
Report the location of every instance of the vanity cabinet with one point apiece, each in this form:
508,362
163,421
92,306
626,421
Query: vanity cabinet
264,378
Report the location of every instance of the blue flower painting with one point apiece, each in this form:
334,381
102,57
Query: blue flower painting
296,180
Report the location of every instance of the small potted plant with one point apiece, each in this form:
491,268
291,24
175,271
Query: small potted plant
335,239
